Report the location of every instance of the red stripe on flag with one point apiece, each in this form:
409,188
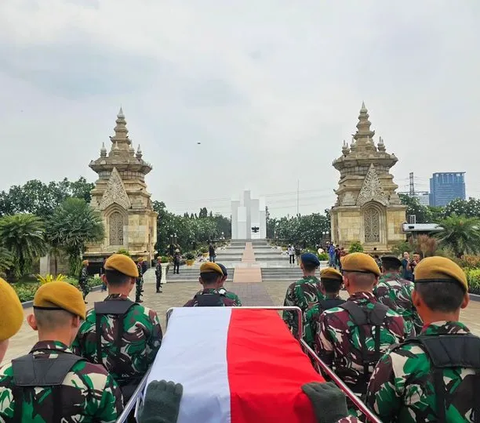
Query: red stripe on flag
266,369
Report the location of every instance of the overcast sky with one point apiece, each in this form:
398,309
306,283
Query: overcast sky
270,89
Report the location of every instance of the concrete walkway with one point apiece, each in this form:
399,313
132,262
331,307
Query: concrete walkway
248,270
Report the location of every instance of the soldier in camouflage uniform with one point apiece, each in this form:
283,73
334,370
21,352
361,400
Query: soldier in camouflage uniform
211,276
434,377
83,280
396,293
139,282
122,335
331,281
304,293
51,384
351,337
222,291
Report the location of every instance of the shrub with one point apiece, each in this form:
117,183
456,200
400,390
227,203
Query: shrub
204,250
164,259
50,278
323,257
469,262
124,252
355,247
190,256
473,277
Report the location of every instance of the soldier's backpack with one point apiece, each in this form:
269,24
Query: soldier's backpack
451,351
362,317
210,300
118,309
329,303
30,371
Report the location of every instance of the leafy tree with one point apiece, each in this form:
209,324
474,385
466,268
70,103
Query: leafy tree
73,225
423,213
203,213
23,236
308,229
460,234
40,199
467,208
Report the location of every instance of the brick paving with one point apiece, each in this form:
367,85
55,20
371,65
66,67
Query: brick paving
176,294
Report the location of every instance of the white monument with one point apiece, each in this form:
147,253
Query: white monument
249,219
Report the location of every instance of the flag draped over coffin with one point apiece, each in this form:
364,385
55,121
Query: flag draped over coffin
236,366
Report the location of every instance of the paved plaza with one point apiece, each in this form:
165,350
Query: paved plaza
175,294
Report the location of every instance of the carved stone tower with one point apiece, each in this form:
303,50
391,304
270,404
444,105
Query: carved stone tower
368,208
121,196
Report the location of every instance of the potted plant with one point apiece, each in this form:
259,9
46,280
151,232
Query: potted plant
204,251
190,259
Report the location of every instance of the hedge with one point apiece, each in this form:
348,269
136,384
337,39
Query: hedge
26,291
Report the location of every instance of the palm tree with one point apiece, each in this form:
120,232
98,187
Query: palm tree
460,234
23,236
6,260
73,225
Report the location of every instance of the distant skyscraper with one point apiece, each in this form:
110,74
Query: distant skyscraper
446,187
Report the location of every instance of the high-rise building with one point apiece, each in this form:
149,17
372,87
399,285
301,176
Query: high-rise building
446,187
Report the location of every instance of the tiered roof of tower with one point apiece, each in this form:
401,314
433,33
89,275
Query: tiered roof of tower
122,153
362,151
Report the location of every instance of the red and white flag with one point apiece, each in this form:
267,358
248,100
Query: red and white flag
236,366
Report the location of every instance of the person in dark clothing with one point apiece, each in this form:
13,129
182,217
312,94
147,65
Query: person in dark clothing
102,272
176,262
406,271
158,275
211,252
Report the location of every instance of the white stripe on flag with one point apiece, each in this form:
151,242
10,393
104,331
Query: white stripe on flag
194,353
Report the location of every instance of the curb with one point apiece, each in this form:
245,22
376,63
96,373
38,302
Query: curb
474,297
28,304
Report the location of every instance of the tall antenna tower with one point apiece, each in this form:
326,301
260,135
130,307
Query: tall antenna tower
412,185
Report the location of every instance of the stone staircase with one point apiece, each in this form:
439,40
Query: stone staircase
281,274
191,274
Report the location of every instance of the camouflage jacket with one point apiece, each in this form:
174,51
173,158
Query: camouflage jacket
337,340
311,318
88,392
140,271
227,302
142,336
304,293
229,294
396,293
401,388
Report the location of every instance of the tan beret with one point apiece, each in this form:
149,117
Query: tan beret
210,267
440,269
361,263
60,296
12,311
122,264
331,273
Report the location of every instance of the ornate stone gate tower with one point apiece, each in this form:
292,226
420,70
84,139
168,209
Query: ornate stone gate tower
121,196
368,208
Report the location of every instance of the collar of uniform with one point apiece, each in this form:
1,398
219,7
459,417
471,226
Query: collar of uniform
309,279
390,276
116,297
50,345
445,328
333,297
209,291
362,297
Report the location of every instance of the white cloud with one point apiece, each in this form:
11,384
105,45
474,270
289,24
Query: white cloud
269,88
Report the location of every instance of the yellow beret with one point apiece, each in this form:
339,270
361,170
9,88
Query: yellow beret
360,262
123,264
12,311
440,269
330,273
60,296
209,267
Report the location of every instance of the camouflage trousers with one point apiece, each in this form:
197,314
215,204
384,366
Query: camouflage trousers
84,288
138,289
